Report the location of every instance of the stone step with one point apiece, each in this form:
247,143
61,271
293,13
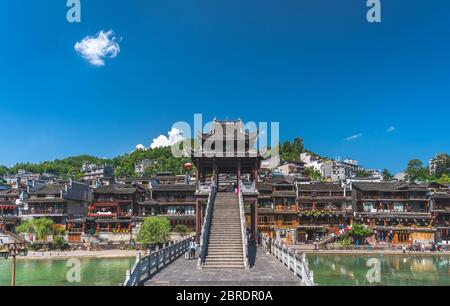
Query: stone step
225,236
226,257
223,246
223,266
224,260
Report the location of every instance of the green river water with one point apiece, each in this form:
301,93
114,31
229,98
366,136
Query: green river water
328,270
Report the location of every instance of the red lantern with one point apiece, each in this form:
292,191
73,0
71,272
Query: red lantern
188,166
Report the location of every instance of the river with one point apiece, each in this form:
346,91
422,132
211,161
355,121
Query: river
328,270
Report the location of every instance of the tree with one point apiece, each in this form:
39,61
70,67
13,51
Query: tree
154,230
181,229
387,176
41,227
313,174
362,173
415,171
444,179
4,170
359,232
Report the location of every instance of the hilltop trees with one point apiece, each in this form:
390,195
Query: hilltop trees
387,176
416,172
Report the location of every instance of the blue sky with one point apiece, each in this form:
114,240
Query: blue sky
316,66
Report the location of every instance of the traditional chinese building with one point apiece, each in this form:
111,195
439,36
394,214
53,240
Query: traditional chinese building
229,150
440,209
277,207
398,212
57,201
323,208
174,201
110,214
9,209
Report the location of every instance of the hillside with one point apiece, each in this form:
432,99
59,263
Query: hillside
70,167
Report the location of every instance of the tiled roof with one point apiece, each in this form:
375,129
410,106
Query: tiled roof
174,187
388,186
116,189
319,187
49,189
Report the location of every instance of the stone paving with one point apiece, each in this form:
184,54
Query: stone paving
265,271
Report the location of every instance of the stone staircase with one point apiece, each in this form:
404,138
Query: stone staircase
225,238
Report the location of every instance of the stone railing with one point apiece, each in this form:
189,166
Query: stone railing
248,187
243,229
204,187
147,266
206,225
293,262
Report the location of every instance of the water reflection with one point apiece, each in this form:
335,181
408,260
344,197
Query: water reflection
394,269
96,272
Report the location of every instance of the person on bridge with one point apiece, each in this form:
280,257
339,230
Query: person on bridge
192,248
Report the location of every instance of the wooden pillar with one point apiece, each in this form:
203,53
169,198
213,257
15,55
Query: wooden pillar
255,216
197,178
198,226
216,172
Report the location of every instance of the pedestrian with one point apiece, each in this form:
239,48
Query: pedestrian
192,247
269,245
404,249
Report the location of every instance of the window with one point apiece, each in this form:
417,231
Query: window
398,206
367,206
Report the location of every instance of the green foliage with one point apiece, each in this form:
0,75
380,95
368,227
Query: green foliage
444,179
4,170
345,241
69,167
362,173
416,171
181,229
59,243
387,176
154,230
359,231
41,227
291,151
313,174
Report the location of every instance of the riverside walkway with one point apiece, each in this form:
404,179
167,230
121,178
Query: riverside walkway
265,270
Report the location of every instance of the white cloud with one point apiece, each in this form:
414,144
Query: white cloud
95,49
353,137
175,135
390,129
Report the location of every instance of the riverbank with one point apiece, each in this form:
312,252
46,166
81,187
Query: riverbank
372,252
33,255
